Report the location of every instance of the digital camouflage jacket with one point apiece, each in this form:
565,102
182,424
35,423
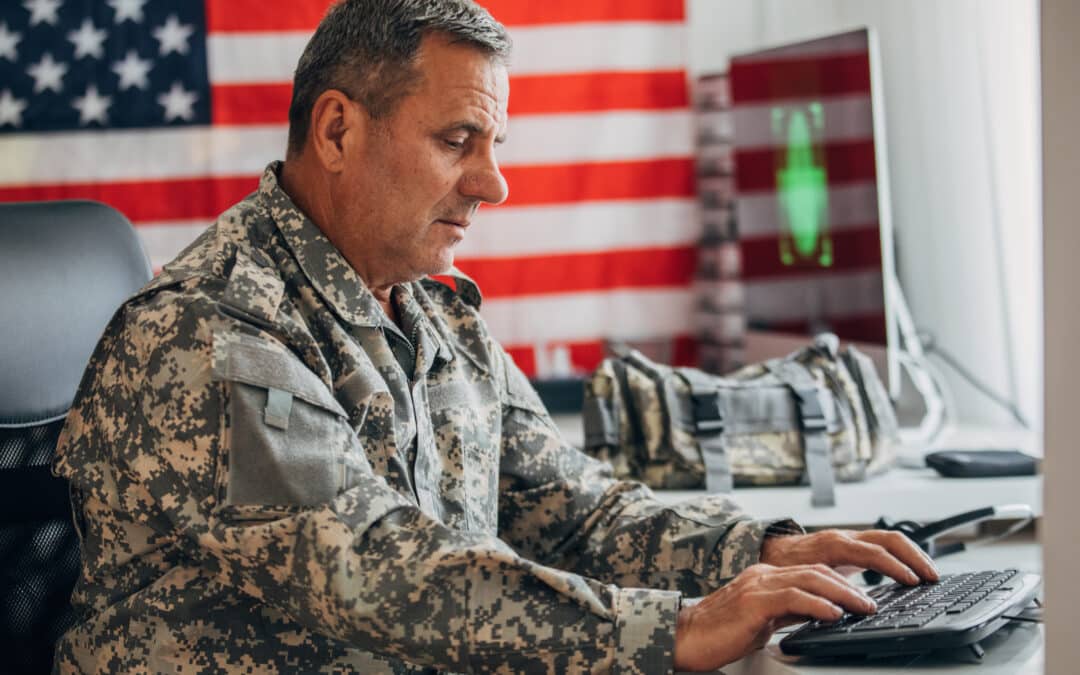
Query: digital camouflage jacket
261,486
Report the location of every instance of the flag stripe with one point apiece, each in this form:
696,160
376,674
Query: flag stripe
850,206
264,15
593,182
799,78
234,58
851,250
268,103
626,314
586,355
525,231
837,295
844,118
865,328
845,162
587,226
181,153
566,273
205,198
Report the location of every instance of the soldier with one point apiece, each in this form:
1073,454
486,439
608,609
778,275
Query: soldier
294,452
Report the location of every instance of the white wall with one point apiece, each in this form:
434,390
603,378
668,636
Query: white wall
961,97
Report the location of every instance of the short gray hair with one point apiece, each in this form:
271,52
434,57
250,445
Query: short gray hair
367,49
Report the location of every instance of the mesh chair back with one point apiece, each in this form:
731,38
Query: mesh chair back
64,269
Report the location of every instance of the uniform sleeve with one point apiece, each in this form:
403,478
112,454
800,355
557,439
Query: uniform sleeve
188,439
565,509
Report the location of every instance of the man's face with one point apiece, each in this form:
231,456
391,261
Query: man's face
407,199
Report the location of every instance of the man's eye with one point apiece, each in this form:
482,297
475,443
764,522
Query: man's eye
455,145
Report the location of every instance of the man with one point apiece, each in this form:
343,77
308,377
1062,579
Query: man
295,452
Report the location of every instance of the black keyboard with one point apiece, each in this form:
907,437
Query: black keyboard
958,610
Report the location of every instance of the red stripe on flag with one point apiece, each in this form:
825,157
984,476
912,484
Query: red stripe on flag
587,355
240,104
580,272
206,198
268,103
234,16
559,184
854,249
585,92
862,328
845,162
519,13
148,201
819,76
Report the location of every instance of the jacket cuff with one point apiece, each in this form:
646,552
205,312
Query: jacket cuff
741,547
645,631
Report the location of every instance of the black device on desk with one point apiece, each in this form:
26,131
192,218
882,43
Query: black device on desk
957,611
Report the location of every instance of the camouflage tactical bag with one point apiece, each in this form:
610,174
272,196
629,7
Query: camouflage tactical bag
815,416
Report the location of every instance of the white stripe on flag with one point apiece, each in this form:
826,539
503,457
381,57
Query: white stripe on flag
836,295
589,226
162,241
846,118
850,206
597,137
518,231
133,155
620,314
240,151
234,58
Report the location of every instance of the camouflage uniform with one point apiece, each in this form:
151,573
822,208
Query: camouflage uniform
270,476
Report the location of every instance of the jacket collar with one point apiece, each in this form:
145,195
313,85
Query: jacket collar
324,266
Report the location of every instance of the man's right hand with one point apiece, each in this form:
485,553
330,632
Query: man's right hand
742,615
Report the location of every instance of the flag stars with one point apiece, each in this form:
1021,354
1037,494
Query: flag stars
173,36
132,71
178,103
43,11
11,109
88,40
47,74
127,10
93,107
8,41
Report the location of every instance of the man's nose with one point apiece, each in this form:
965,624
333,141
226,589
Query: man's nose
484,181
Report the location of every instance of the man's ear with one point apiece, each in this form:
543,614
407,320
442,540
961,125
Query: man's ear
337,127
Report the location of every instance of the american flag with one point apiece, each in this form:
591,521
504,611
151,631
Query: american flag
169,111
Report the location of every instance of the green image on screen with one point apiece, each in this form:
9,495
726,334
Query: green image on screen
802,187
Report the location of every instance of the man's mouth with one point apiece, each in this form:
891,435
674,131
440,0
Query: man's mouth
456,223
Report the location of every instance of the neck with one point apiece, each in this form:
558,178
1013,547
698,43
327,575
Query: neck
311,192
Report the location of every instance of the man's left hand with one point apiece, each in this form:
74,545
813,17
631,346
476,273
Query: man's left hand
890,553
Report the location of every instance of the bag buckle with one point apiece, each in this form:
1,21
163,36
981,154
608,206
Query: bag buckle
707,416
810,411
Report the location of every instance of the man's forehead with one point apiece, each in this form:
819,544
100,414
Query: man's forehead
463,74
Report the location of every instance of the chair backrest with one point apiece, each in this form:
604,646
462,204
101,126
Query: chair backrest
64,269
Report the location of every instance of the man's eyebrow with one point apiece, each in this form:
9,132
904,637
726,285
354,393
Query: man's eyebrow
473,128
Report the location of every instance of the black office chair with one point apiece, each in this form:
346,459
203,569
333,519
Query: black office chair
64,269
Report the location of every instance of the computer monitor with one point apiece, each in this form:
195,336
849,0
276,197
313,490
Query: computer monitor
812,205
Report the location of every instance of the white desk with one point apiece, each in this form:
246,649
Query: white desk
916,494
1017,649
901,493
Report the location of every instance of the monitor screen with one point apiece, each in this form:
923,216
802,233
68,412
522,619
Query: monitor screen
807,191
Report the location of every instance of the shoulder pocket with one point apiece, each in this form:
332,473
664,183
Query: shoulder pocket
289,439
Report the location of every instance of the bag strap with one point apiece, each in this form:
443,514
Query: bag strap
819,468
601,425
709,429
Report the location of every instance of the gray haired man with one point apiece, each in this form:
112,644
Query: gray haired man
295,452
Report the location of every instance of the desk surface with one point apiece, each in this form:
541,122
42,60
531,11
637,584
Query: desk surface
901,493
1017,649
